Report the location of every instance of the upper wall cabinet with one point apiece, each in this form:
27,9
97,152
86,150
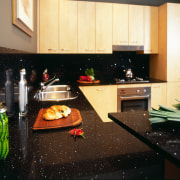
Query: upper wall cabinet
68,26
120,24
136,28
72,26
103,27
150,29
48,26
86,27
173,42
166,66
127,24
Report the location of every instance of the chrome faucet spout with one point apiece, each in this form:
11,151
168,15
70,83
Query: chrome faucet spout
45,85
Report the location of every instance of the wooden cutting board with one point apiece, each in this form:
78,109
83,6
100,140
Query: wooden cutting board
72,120
95,81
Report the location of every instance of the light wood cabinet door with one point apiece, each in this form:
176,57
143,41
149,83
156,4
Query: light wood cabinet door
158,95
136,25
86,27
120,24
68,26
103,27
166,65
102,98
173,93
173,42
150,29
48,26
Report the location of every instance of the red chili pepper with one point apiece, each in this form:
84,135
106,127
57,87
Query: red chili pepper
77,132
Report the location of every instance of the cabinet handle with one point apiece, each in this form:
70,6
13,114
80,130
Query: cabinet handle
89,49
100,89
156,86
51,49
65,49
123,41
135,42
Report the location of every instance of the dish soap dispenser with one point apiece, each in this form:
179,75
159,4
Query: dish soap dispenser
23,93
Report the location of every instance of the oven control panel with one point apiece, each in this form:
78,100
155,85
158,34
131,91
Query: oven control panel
134,91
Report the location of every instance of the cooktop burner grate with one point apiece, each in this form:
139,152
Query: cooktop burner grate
136,80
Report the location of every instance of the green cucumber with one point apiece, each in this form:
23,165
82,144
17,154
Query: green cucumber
7,148
3,149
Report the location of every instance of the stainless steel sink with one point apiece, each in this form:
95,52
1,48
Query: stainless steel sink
56,93
58,88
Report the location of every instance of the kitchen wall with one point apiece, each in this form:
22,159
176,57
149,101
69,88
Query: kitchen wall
70,67
10,35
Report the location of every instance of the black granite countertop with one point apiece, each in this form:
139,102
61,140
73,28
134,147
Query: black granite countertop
113,82
107,152
162,137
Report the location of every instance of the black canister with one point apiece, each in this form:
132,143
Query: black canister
9,92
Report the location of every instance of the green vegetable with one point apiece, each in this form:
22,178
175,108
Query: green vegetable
162,107
89,72
164,114
157,120
92,77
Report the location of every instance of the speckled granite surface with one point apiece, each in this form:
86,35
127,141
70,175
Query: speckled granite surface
107,152
162,137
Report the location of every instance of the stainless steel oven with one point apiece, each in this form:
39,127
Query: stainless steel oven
133,99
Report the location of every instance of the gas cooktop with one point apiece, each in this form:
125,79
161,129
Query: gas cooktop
131,81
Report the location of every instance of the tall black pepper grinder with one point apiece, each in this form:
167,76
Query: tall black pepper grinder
9,92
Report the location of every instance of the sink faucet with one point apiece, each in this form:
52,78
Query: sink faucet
45,85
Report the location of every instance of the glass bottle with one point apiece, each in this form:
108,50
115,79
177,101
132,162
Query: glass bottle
23,93
9,92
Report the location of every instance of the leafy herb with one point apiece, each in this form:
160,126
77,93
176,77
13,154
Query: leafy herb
89,71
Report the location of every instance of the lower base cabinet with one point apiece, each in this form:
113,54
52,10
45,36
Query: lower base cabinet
102,98
173,93
158,95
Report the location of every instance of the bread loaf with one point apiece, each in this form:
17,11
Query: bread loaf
56,112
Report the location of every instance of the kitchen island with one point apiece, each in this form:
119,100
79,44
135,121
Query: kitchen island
164,138
107,152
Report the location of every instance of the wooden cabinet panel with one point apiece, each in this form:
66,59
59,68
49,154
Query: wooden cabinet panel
128,24
48,26
173,42
103,27
136,25
150,29
86,27
158,95
173,92
120,24
68,26
102,98
166,65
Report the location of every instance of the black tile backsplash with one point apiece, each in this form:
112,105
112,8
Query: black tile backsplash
70,66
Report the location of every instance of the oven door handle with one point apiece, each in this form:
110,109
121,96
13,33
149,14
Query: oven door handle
134,97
